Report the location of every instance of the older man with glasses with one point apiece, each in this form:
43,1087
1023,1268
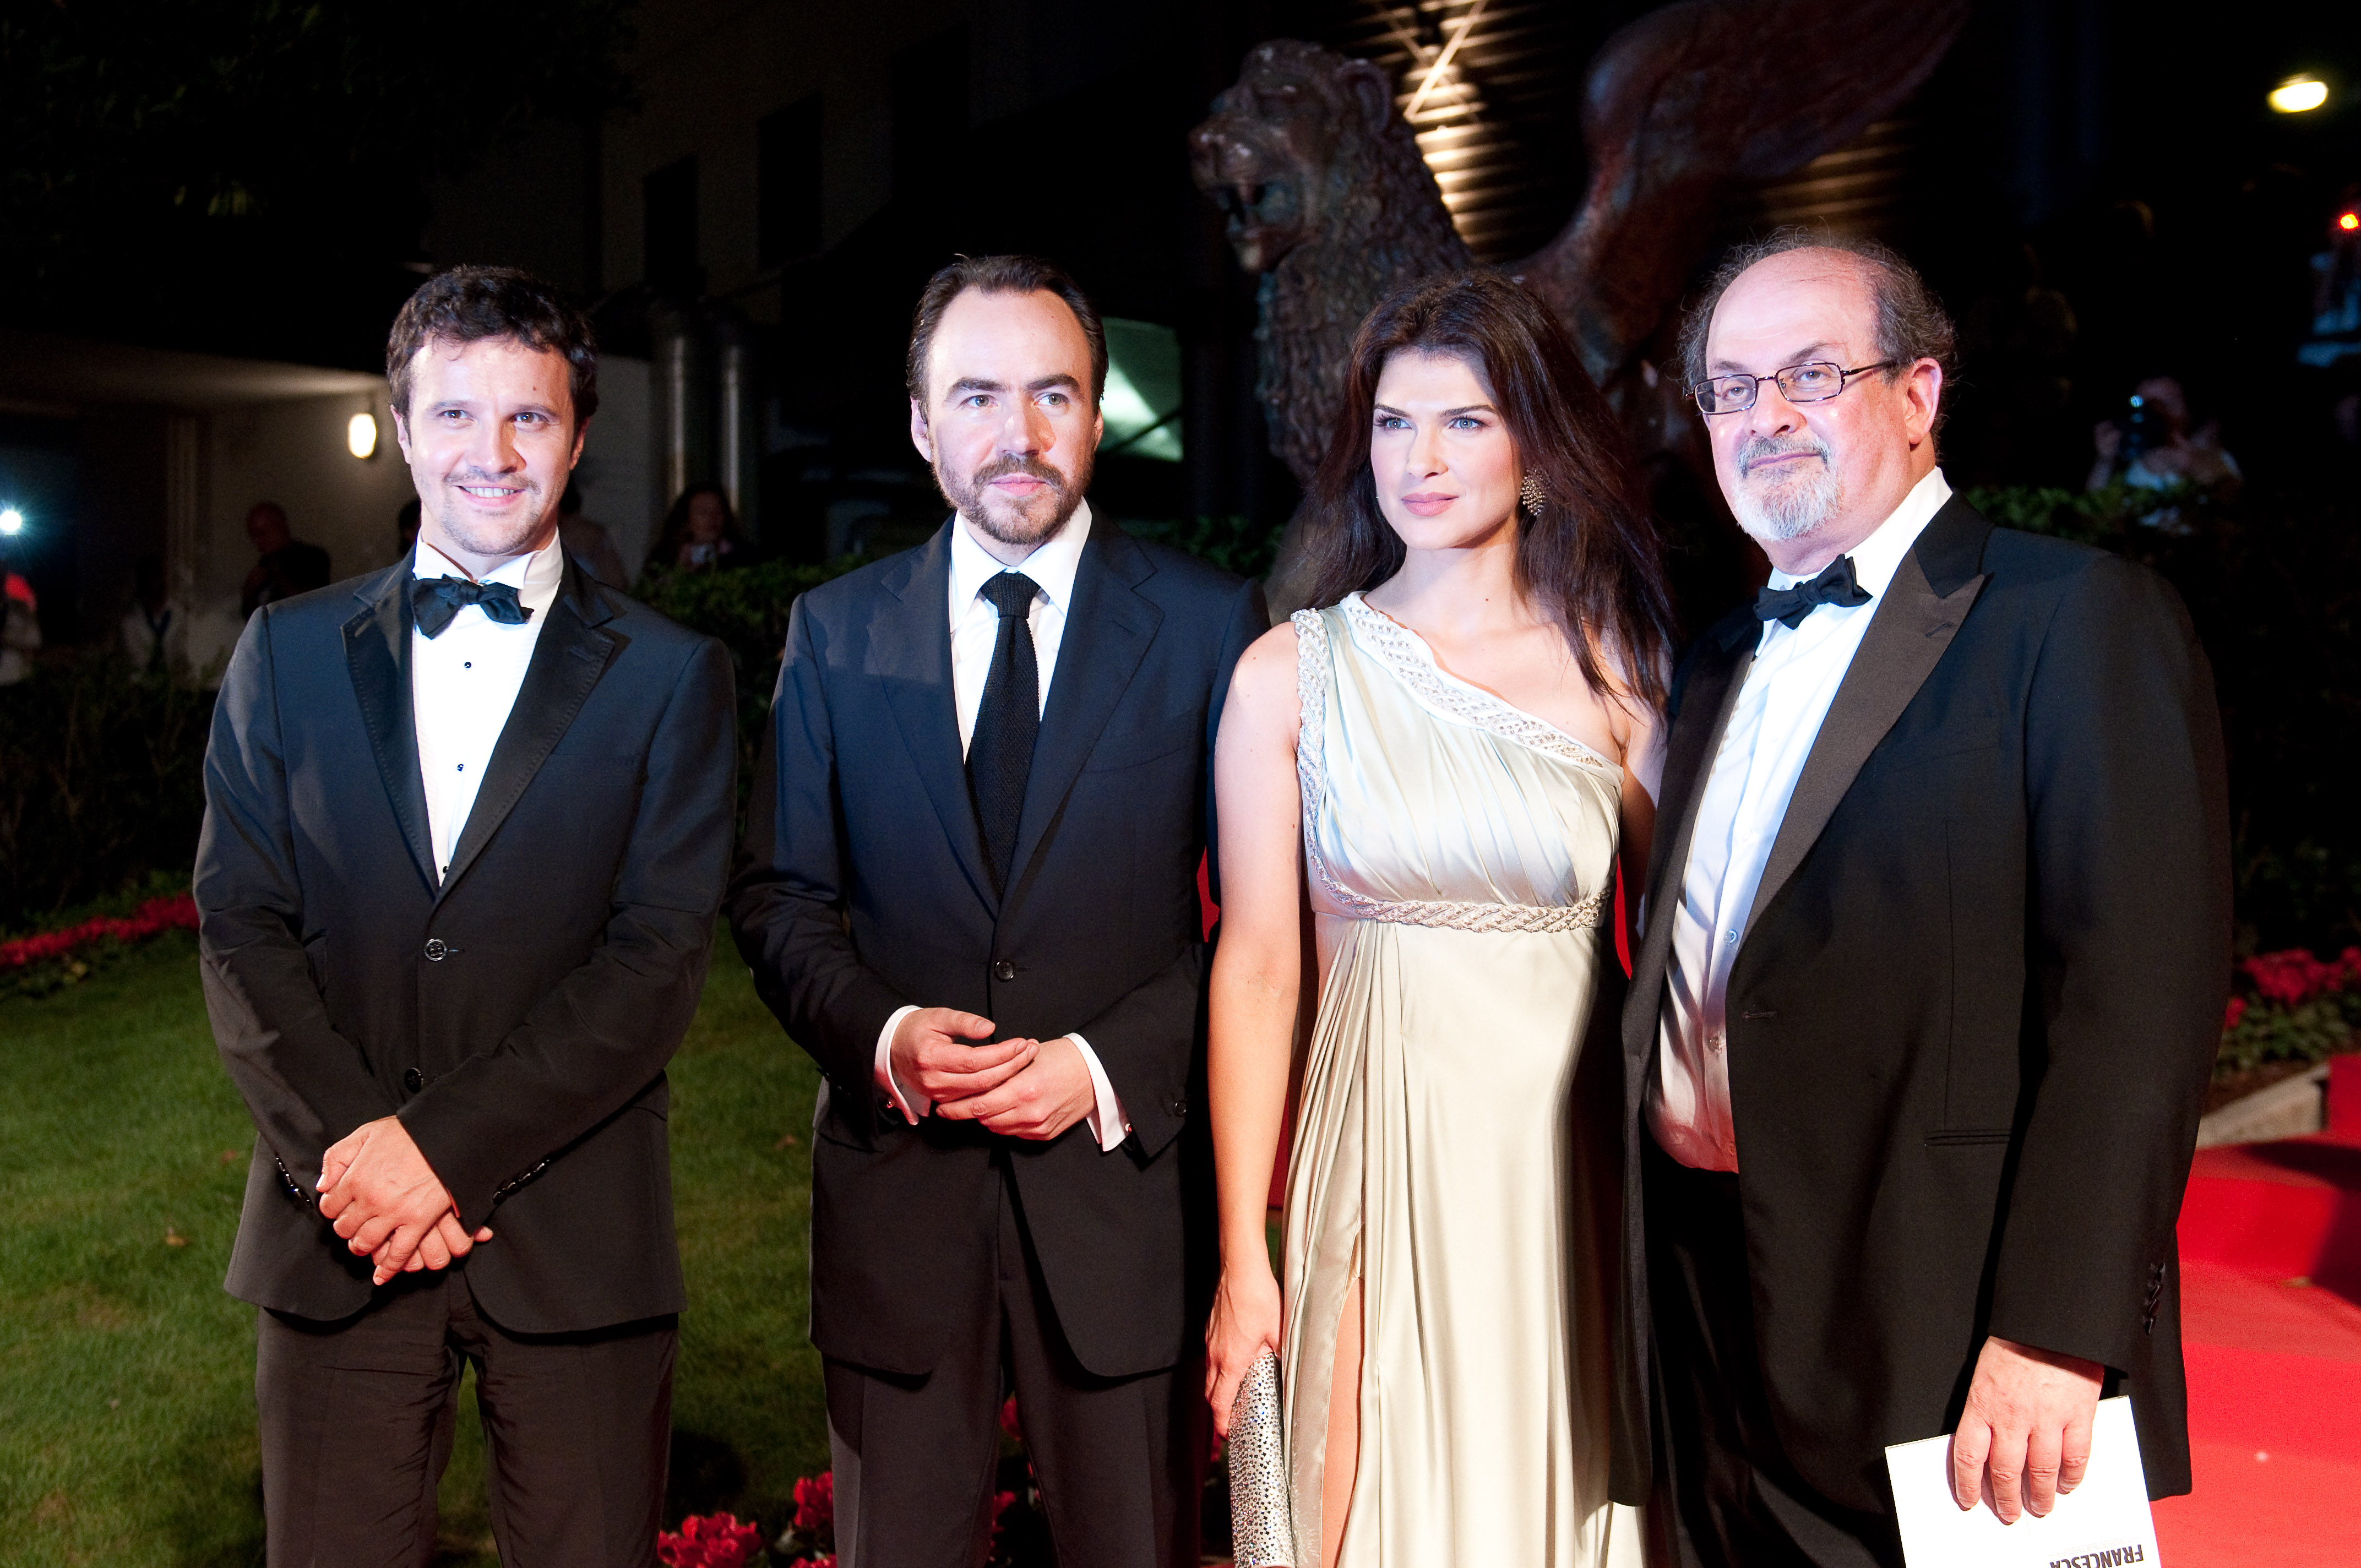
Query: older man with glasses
1936,948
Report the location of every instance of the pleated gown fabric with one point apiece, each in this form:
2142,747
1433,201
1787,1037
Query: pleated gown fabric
1460,857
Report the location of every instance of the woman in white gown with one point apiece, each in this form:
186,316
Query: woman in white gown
1443,758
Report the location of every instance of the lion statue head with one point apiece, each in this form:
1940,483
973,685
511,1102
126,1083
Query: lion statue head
1328,200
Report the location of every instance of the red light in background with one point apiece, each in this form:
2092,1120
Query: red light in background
2348,222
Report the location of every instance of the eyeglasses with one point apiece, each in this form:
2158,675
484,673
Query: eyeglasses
1816,382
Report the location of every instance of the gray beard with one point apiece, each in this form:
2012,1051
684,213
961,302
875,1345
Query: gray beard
1792,509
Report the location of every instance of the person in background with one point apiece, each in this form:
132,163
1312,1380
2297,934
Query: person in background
284,565
156,627
2335,336
700,533
2152,447
20,625
590,543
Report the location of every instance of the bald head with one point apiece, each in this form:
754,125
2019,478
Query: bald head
1811,476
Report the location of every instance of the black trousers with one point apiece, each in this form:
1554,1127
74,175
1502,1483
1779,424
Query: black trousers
1119,1460
1726,1495
358,1418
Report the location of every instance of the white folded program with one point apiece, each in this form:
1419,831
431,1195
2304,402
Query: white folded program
2103,1523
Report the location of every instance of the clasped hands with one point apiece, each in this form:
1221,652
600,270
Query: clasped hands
387,1203
1025,1089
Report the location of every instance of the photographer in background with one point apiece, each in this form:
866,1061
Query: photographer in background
2151,448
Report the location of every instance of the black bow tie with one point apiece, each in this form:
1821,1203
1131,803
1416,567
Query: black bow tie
434,600
1789,606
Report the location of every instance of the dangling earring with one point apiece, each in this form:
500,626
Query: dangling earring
1530,493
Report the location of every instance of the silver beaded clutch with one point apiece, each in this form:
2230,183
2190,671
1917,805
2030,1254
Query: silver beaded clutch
1262,1532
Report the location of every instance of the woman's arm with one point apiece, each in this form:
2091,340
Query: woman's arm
1639,730
1256,985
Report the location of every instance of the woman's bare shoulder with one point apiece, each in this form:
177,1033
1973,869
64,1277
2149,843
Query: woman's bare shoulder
1264,685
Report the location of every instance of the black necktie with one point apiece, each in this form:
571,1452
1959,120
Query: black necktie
1835,586
434,600
1000,754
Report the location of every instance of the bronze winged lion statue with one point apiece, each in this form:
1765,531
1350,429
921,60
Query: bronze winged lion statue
1328,200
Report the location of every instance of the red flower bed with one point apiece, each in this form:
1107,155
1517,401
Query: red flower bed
2291,1006
2295,977
710,1541
177,913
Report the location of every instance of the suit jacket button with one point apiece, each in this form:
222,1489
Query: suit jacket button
1179,1106
436,950
1003,971
414,1080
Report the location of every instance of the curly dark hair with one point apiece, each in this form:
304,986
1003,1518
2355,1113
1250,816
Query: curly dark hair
1591,558
469,304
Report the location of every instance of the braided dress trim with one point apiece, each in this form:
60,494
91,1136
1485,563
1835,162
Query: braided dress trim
1311,673
1406,654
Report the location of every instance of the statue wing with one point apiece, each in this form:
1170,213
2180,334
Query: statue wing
1696,96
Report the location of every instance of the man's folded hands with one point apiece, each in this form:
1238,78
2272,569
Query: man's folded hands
388,1204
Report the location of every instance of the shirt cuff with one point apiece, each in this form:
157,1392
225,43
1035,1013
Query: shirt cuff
883,1073
1109,1125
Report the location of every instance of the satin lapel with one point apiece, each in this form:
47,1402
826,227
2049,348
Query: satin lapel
1706,703
377,652
1107,633
1907,635
567,660
910,642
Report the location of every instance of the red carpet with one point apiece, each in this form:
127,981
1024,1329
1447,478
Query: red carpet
2270,1246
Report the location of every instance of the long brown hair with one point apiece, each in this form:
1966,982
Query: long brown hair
1591,559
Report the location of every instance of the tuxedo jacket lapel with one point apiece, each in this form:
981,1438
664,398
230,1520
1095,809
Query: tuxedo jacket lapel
570,655
377,653
1908,631
911,642
1108,628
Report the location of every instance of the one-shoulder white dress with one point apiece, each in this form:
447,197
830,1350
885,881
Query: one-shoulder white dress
1460,854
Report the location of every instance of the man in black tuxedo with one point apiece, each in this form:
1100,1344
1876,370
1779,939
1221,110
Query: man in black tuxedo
972,898
466,829
1936,948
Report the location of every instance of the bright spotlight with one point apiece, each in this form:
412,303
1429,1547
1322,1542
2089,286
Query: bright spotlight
2299,94
2348,222
361,434
12,523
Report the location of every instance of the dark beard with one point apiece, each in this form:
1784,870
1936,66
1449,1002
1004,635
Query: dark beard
970,496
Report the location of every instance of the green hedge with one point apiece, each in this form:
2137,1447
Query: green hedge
747,609
2273,582
101,784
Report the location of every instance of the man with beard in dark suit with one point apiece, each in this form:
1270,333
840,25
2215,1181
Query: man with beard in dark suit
1936,948
468,825
969,892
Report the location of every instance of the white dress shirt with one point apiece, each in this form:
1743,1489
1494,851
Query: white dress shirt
975,633
1773,726
463,683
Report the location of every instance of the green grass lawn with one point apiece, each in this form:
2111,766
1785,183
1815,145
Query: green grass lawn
127,1405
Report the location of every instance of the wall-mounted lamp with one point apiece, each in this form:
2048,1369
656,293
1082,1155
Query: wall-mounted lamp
12,523
361,434
2299,94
